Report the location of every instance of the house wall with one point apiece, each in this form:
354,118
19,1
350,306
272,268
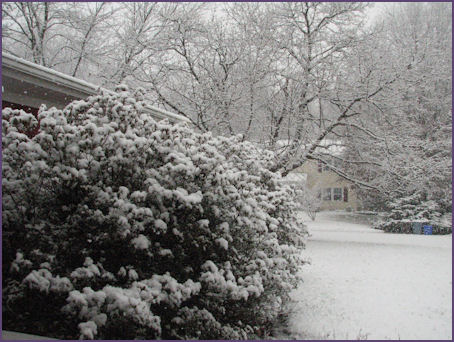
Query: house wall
329,179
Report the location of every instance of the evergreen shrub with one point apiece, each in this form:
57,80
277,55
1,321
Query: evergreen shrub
116,226
415,208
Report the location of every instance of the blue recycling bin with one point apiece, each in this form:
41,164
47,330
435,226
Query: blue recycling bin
428,230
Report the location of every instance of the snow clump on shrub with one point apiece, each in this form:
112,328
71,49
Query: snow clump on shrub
116,226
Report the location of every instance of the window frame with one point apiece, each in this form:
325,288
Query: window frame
325,193
339,196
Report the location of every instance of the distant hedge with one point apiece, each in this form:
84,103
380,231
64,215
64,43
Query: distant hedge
413,208
406,227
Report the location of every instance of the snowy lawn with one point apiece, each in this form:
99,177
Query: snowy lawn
366,284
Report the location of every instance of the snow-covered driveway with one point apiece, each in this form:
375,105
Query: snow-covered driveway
363,283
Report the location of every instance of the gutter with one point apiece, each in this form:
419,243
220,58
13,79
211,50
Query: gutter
12,66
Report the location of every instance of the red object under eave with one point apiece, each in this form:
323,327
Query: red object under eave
27,109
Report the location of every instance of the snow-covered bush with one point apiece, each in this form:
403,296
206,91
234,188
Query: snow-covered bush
310,200
404,211
119,227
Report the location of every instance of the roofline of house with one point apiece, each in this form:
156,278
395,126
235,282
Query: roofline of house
50,76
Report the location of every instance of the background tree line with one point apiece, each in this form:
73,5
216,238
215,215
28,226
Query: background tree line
297,78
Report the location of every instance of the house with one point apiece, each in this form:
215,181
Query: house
335,192
324,187
26,85
331,191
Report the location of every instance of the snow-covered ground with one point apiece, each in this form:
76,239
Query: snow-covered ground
363,283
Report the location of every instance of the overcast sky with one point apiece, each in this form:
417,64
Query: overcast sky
375,11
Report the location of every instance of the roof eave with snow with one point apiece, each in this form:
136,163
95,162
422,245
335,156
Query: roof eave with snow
30,84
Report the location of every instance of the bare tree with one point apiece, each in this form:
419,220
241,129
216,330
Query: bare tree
85,33
26,26
321,41
69,37
409,126
196,78
138,41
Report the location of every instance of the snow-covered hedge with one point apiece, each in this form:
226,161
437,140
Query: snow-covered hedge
404,211
119,227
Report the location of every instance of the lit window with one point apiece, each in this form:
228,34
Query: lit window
327,194
337,194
